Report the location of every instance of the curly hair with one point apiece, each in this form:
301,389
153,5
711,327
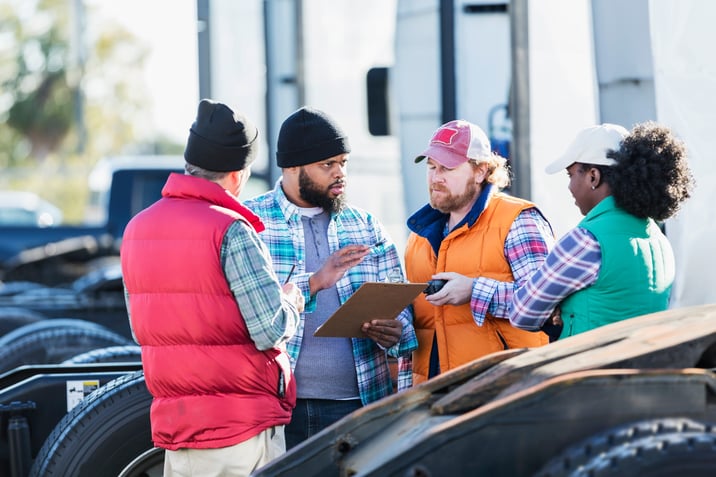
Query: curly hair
498,171
651,177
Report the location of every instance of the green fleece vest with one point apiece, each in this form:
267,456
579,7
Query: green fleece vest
635,276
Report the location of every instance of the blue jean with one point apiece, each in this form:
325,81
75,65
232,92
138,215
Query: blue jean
313,415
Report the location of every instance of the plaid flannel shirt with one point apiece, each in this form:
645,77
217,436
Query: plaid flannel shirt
573,265
285,240
528,242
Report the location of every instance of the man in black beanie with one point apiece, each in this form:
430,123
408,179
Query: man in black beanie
209,312
329,249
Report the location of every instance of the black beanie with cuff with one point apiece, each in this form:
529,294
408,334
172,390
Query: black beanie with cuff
307,136
220,140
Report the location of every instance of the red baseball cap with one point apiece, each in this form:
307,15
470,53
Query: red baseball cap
456,142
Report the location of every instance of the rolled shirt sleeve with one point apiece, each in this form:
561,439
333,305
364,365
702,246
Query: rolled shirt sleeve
573,265
527,245
270,318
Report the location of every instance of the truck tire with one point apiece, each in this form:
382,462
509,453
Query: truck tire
13,318
111,354
53,341
107,433
653,448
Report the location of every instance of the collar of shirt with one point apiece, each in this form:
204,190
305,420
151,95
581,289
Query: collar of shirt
430,223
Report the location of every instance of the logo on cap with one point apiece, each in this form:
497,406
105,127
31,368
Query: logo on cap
444,136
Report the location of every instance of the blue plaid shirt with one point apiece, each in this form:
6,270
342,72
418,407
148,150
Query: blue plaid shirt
285,240
572,265
269,317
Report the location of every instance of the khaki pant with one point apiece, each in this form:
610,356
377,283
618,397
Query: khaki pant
233,461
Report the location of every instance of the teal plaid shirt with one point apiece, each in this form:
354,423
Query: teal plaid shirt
285,240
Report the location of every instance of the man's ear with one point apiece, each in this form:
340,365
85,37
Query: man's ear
481,173
293,171
237,180
595,177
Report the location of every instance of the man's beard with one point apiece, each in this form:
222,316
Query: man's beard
311,193
451,202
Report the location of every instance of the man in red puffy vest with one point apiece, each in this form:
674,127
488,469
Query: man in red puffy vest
208,310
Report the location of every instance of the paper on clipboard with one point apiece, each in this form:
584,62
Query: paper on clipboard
373,300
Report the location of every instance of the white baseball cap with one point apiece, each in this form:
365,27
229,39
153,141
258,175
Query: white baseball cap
591,147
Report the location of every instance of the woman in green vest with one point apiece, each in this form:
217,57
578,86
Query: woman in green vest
617,263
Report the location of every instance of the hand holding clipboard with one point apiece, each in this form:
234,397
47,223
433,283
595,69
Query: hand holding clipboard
373,300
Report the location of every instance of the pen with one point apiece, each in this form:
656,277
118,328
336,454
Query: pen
374,248
290,273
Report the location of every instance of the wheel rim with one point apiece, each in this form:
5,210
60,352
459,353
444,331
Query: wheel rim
148,464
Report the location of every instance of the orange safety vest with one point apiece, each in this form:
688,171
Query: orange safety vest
476,251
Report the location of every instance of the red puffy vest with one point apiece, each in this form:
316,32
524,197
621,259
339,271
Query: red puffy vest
211,386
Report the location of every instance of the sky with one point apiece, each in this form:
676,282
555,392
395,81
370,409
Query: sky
169,29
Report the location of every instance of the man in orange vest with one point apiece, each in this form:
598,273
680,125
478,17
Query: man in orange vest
482,242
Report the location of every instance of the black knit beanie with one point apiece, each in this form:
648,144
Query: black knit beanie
220,140
307,136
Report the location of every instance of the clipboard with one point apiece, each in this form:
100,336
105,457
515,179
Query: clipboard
373,300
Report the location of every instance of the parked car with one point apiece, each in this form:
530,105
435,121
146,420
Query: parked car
119,188
27,208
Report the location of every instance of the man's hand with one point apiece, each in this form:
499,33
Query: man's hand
457,290
556,317
336,266
294,295
384,332
553,325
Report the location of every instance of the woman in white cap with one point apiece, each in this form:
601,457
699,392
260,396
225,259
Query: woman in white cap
617,263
